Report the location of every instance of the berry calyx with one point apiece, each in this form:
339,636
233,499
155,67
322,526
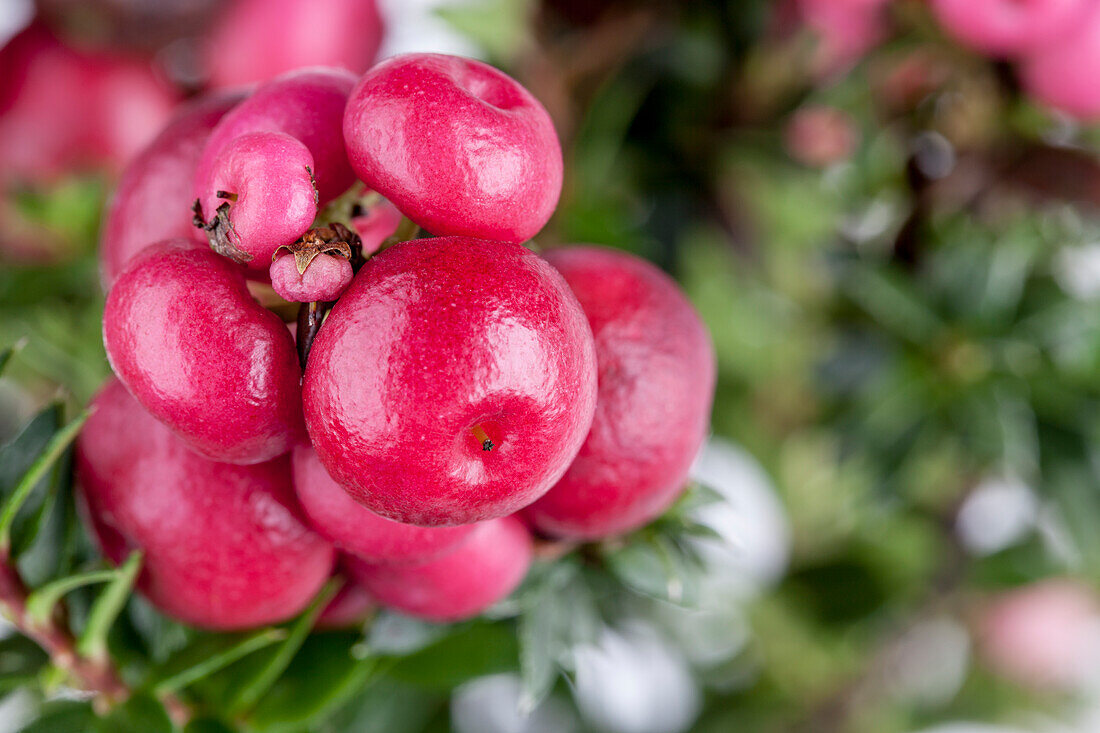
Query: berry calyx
317,267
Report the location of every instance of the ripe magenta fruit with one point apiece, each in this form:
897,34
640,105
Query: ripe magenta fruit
453,382
1008,27
479,572
263,182
656,383
458,146
224,546
153,199
189,342
308,105
254,40
1062,74
358,530
324,279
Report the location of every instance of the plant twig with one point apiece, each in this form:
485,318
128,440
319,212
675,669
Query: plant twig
96,675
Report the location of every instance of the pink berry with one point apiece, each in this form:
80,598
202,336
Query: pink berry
264,180
656,384
351,607
1009,27
458,146
1045,636
819,135
224,546
376,225
254,40
325,278
153,199
358,530
847,29
308,105
481,571
1062,74
453,382
63,109
189,342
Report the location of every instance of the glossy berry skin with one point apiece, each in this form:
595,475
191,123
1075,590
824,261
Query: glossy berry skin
656,385
325,279
224,545
434,338
270,174
458,146
308,105
189,342
153,199
1062,74
458,585
255,40
1009,27
356,529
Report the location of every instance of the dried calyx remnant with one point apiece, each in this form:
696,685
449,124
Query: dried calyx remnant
218,231
334,239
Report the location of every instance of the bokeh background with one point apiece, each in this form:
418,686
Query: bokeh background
889,225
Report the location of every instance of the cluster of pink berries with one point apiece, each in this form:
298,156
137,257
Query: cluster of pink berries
1055,44
437,400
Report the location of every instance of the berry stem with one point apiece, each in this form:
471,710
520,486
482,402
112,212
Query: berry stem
483,438
310,316
96,675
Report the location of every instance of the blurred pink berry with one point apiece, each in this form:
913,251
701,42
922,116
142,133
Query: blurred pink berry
1063,75
819,136
1045,635
1008,27
847,29
379,222
256,40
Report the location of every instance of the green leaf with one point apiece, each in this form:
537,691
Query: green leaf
324,674
209,654
656,566
21,661
139,714
558,613
500,27
93,640
9,352
63,716
207,725
272,664
387,705
53,451
470,650
398,635
41,602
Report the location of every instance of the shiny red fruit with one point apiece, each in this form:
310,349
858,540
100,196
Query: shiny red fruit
453,382
656,384
224,545
189,342
481,571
